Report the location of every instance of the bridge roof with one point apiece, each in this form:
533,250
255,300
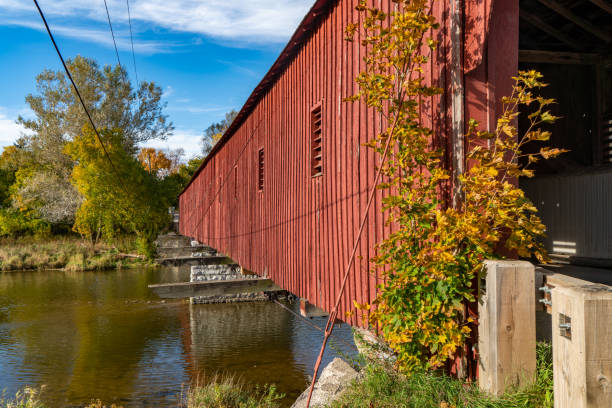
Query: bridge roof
298,39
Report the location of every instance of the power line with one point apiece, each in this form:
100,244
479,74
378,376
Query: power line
132,41
112,33
79,96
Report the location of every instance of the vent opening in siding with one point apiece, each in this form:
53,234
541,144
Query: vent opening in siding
606,135
260,170
235,181
316,142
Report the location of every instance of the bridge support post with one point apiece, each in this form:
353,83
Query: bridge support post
506,314
582,346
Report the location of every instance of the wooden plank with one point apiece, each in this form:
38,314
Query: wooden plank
603,4
548,29
507,340
213,288
579,21
558,57
457,137
582,351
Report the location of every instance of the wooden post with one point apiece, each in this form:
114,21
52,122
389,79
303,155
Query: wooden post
582,346
506,315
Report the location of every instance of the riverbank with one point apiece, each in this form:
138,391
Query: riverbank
68,253
381,387
219,393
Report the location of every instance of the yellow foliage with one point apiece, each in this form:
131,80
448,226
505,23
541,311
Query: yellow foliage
432,259
154,160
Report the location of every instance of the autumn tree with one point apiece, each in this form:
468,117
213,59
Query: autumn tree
59,118
119,195
154,161
213,133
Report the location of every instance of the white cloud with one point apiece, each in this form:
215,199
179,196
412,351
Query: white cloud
9,130
235,21
183,138
168,91
99,36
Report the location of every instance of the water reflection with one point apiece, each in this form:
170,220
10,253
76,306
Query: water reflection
104,335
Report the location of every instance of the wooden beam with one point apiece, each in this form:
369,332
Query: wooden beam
213,288
579,21
457,98
603,4
582,346
558,57
506,331
548,29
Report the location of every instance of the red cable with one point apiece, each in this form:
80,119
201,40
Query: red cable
331,321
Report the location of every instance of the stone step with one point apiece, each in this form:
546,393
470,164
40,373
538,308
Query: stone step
215,272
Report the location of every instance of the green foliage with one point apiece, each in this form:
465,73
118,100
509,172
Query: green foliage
380,387
20,223
117,197
431,259
38,168
227,393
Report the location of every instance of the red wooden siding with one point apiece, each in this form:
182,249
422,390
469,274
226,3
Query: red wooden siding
300,229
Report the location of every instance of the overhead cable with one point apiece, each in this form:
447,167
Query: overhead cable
112,33
132,41
76,90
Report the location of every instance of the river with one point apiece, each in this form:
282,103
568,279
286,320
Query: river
104,335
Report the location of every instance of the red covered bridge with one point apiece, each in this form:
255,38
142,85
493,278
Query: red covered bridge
283,191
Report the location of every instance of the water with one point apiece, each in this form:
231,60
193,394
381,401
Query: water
103,335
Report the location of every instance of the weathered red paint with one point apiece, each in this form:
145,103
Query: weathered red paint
299,230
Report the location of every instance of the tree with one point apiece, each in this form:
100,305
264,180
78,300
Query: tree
213,133
109,97
155,161
59,118
117,197
9,164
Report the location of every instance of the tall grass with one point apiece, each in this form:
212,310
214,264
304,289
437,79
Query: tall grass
26,398
382,388
226,392
64,252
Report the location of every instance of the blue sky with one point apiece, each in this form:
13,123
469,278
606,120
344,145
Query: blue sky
206,55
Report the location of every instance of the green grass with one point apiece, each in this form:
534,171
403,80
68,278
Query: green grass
380,387
70,253
228,393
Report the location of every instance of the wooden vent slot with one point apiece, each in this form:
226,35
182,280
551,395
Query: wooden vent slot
606,139
260,171
316,139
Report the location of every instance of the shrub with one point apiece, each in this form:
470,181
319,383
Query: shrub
433,257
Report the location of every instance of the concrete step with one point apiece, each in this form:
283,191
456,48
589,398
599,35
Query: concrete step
172,241
195,261
183,251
